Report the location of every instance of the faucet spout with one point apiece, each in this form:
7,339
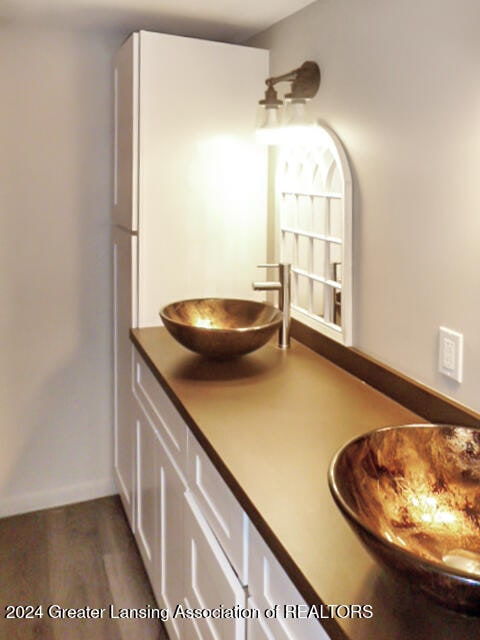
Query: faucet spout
267,286
283,286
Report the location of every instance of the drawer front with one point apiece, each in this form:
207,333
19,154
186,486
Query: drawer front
168,422
269,586
219,506
210,581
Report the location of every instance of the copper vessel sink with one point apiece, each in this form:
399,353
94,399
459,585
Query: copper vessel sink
412,495
221,327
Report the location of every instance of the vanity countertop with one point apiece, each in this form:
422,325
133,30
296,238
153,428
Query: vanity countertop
271,422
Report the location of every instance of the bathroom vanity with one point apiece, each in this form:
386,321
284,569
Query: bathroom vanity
230,481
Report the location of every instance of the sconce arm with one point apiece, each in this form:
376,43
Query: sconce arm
305,81
285,77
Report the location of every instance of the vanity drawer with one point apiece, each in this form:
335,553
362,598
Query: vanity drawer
220,508
269,585
168,422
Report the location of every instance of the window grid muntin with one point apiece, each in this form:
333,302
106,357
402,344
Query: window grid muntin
320,172
288,230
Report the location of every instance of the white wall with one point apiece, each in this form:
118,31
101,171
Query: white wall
400,86
55,184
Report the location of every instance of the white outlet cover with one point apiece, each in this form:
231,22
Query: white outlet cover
450,353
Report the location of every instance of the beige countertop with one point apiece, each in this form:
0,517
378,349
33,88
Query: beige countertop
271,422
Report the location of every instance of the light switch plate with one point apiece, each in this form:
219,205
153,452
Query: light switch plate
450,353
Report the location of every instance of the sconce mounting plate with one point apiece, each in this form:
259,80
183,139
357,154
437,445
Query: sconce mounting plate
306,81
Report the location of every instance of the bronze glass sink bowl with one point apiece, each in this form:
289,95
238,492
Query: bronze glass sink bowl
221,327
412,495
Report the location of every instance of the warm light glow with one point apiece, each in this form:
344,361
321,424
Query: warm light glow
388,536
427,509
297,127
205,323
297,115
464,560
269,130
301,135
219,165
298,135
271,119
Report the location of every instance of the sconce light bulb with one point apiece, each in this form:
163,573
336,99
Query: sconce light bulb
267,131
297,125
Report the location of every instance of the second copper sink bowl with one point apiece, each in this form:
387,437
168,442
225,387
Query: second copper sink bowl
412,495
221,327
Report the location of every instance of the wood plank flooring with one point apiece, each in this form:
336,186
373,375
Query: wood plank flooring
76,556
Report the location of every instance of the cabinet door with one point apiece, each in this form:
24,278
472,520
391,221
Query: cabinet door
157,405
269,586
124,401
169,577
147,492
209,580
259,628
219,507
125,78
160,515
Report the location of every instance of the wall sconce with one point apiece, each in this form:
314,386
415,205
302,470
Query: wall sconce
304,85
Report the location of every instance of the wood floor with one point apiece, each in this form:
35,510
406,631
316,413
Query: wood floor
76,557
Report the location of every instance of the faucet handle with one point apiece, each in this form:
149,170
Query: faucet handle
275,265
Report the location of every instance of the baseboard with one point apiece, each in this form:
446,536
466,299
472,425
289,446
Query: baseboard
57,497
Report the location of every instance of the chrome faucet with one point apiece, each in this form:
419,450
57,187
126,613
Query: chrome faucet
282,285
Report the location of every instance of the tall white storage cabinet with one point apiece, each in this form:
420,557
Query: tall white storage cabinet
190,192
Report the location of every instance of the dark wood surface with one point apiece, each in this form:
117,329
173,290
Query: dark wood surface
77,556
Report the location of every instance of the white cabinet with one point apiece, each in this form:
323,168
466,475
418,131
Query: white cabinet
189,193
269,586
185,561
202,181
260,628
210,581
161,446
220,508
125,258
126,121
189,178
146,491
160,519
169,423
169,581
124,433
199,549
